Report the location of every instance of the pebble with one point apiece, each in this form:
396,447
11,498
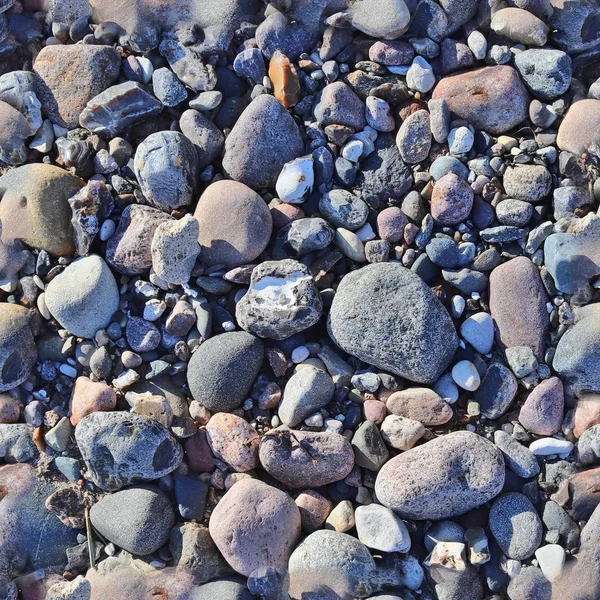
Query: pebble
530,582
478,330
401,433
520,26
369,448
551,559
341,518
90,396
391,52
167,88
380,529
518,458
452,200
548,446
460,140
542,413
233,441
577,132
466,376
378,114
414,137
546,73
530,183
343,209
477,44
296,180
420,76
284,77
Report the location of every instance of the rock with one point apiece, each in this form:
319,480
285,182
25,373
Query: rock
578,130
518,305
117,108
233,441
579,349
546,73
129,249
420,404
491,98
18,352
478,330
282,300
379,115
379,528
142,336
400,432
188,65
341,518
529,583
391,222
16,444
515,525
90,396
314,509
551,559
419,484
587,413
13,133
18,88
224,590
337,104
517,457
542,413
569,200
547,446
296,180
343,209
302,236
530,183
10,409
175,249
137,519
222,370
521,360
167,88
466,376
414,137
588,446
391,53
84,297
514,212
305,459
120,448
387,19
284,77
44,220
420,75
520,26
452,200
165,166
360,320
32,537
228,243
350,245
306,391
384,175
204,134
369,448
70,76
255,525
263,139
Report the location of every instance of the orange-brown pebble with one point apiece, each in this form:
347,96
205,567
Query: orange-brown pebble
587,413
284,78
90,396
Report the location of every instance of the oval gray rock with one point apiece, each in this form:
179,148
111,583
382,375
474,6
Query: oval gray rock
120,448
385,315
306,459
18,352
443,478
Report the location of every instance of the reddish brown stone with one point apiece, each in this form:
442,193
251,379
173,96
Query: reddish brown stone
587,413
198,454
90,396
420,404
283,76
314,509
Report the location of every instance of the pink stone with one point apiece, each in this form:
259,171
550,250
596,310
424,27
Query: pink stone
375,411
391,52
314,509
9,409
391,223
587,413
198,454
543,410
90,396
420,404
283,214
451,200
234,441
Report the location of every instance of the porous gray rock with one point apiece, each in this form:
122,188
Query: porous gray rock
255,525
166,166
305,459
84,297
16,443
18,352
282,300
546,72
443,478
222,370
530,183
386,316
264,138
120,448
137,519
343,209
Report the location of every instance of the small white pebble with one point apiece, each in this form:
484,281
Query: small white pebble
548,446
466,376
300,354
228,325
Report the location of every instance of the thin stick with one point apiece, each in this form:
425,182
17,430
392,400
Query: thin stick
88,529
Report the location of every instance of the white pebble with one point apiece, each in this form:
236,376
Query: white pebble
334,426
460,140
547,446
315,420
446,389
457,306
420,76
466,375
153,309
478,330
353,150
477,44
552,560
300,354
107,229
228,326
41,304
296,180
365,233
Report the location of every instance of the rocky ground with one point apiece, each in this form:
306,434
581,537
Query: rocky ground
300,300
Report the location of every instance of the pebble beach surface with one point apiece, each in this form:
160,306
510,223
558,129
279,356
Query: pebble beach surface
299,300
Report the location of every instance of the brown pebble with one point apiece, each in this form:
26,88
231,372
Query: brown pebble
314,509
284,78
90,396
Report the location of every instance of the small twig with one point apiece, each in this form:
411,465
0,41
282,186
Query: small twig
90,541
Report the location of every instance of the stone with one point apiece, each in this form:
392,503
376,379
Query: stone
222,589
282,300
337,104
341,518
578,351
515,525
302,236
551,559
518,305
223,368
228,243
120,448
547,446
587,413
175,249
420,404
343,209
44,220
129,250
18,88
452,200
546,73
384,176
369,448
142,336
569,200
460,140
264,138
530,583
284,77
16,444
314,509
542,413
492,99
521,360
296,180
306,391
518,458
10,409
401,433
188,65
520,26
84,297
165,167
379,528
578,131
379,115
70,76
233,441
466,376
360,320
167,88
391,222
531,183
137,519
420,75
255,525
18,352
13,135
391,52
419,484
414,137
305,459
78,589
588,446
90,396
387,19
516,213
478,330
204,134
117,108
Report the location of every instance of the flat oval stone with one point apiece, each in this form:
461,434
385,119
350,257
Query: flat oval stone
120,448
579,131
386,316
306,459
18,352
520,26
543,411
443,478
420,404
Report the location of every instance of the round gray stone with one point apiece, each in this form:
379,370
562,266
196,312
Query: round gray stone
546,72
530,183
343,209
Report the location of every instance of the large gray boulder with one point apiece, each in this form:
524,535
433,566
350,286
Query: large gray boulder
385,315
